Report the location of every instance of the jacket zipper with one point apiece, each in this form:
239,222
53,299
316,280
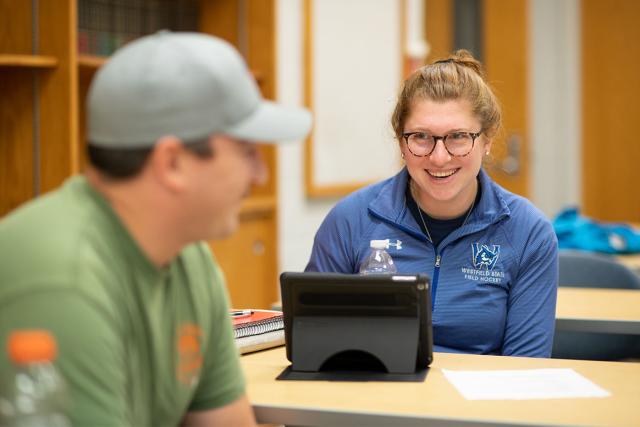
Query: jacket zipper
436,269
434,283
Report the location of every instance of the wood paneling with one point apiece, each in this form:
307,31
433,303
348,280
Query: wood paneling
16,117
59,146
439,28
247,261
307,67
88,65
610,109
15,27
220,18
505,48
85,75
261,56
261,44
27,61
16,138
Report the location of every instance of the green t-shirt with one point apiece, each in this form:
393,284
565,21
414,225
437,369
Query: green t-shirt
137,345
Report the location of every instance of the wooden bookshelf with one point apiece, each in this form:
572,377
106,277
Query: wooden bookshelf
38,111
42,119
91,62
259,204
28,61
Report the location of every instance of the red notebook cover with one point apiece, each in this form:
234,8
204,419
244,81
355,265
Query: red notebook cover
252,316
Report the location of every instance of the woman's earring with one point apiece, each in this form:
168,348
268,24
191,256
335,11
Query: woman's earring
402,155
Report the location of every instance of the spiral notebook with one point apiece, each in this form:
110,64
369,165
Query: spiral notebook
257,329
256,322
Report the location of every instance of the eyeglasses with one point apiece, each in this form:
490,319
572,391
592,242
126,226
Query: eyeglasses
458,144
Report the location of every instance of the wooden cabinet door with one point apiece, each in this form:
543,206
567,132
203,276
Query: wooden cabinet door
249,260
610,109
505,53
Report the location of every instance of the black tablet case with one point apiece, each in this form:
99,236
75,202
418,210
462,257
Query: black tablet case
357,327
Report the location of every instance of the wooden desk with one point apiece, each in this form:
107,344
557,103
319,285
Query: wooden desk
631,261
435,402
598,310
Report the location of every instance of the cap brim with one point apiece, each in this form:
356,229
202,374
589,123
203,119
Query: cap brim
273,123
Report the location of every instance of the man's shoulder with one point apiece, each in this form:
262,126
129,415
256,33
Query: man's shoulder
50,238
63,207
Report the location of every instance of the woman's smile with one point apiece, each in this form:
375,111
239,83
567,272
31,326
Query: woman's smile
441,174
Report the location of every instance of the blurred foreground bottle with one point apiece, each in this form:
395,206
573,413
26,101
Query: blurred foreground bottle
379,261
35,395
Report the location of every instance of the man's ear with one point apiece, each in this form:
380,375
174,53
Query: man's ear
167,163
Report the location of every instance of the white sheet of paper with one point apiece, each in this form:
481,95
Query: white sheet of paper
523,384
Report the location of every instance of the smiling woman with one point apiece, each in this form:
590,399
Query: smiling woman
443,179
491,255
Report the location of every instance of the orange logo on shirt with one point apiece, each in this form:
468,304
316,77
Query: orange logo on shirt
189,354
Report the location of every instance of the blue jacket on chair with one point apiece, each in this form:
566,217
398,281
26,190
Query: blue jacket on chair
575,231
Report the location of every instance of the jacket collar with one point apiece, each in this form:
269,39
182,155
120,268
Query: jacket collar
391,206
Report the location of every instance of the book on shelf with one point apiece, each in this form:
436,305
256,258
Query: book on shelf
105,25
257,329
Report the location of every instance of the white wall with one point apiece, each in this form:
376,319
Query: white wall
555,103
356,71
555,124
299,217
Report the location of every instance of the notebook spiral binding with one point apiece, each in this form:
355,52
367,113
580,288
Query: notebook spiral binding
258,327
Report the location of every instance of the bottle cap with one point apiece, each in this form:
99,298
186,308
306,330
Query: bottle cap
28,346
379,244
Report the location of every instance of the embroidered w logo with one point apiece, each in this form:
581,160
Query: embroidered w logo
483,257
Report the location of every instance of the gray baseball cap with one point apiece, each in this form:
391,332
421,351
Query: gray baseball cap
189,85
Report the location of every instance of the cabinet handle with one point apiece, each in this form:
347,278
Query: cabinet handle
258,248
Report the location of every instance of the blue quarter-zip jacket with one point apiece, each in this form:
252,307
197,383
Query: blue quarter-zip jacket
494,279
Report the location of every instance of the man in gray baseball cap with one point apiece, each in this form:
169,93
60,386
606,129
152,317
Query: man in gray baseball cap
113,265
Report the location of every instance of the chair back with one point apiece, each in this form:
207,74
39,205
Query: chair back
593,270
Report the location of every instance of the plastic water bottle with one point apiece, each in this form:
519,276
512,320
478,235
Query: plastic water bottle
379,261
35,395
